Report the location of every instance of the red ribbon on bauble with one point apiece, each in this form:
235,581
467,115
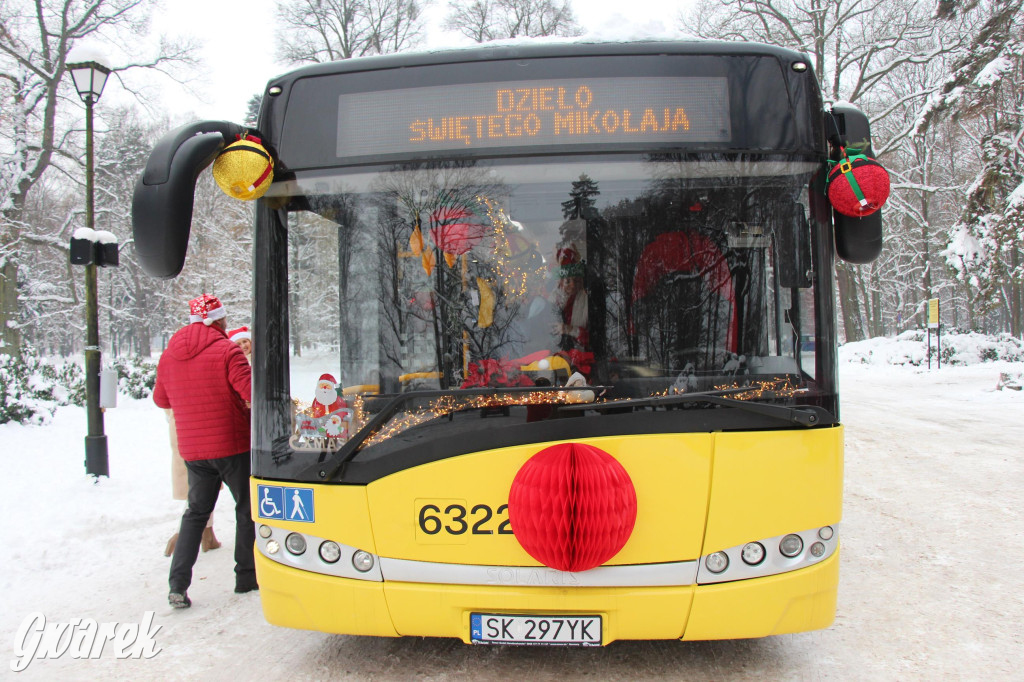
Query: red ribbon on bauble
572,506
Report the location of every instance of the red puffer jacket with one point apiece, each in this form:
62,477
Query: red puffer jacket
205,379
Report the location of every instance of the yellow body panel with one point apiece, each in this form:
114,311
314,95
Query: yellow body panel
774,605
669,472
340,512
775,482
697,493
626,612
310,601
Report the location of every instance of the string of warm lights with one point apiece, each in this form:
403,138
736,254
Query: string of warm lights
776,387
514,280
446,405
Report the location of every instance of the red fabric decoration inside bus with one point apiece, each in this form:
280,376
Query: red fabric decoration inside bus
452,233
872,180
691,253
572,506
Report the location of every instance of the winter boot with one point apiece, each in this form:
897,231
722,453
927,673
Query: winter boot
179,600
246,583
169,549
209,540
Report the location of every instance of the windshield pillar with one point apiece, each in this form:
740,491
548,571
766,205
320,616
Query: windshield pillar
271,401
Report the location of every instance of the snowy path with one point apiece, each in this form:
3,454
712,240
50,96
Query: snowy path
930,586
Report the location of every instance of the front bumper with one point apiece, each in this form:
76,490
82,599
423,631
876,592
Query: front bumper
800,600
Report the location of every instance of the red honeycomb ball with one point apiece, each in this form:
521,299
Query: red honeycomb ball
572,506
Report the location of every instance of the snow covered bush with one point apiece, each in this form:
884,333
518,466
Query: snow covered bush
136,377
30,389
63,383
16,401
957,348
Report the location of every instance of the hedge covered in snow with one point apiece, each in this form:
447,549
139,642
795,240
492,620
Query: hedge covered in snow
957,348
31,388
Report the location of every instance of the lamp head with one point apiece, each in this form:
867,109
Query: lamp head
89,72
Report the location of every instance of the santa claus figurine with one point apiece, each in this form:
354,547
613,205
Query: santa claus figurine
326,398
336,427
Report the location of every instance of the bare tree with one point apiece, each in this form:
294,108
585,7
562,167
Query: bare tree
317,31
484,20
854,44
883,56
252,110
35,38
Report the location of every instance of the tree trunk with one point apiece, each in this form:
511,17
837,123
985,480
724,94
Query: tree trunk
849,303
10,333
1015,294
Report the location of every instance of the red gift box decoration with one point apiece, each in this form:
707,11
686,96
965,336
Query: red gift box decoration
572,506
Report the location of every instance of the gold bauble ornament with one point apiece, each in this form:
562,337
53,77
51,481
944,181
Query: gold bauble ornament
244,170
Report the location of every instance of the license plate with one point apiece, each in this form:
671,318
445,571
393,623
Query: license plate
495,628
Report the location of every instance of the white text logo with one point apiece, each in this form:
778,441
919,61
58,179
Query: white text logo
82,638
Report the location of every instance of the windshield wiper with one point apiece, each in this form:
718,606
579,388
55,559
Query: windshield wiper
803,416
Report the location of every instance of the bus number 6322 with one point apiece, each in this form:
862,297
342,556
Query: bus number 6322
457,519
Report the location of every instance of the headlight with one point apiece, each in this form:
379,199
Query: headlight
826,533
330,552
273,547
817,549
717,562
295,543
362,561
791,545
753,553
266,532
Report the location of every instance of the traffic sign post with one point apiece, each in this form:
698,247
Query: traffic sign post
933,323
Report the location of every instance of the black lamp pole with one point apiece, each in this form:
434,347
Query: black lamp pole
90,78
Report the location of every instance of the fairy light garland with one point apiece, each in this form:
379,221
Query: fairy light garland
776,387
514,280
446,405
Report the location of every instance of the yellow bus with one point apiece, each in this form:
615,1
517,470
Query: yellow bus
544,340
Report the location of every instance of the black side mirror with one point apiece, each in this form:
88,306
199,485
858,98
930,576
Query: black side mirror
165,193
858,240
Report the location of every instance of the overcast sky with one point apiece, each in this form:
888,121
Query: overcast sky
239,45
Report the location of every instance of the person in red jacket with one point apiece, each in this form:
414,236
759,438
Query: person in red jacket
205,379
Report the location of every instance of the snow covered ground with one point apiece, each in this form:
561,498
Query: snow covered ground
930,587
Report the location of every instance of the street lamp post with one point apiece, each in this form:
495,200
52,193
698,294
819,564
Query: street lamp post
90,75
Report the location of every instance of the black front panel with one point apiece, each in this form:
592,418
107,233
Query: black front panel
541,106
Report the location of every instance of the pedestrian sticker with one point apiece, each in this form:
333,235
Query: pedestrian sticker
299,504
286,504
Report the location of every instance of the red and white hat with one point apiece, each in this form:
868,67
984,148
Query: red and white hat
237,335
206,309
327,377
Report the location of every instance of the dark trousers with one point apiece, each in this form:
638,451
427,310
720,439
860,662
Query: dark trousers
204,479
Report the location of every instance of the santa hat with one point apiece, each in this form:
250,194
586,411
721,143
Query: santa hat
327,377
237,335
206,309
569,262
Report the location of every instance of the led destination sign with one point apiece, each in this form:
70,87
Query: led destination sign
531,113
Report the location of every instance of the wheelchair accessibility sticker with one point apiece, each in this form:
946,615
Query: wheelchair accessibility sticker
285,504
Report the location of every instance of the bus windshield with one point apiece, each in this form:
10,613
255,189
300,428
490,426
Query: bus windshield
649,275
